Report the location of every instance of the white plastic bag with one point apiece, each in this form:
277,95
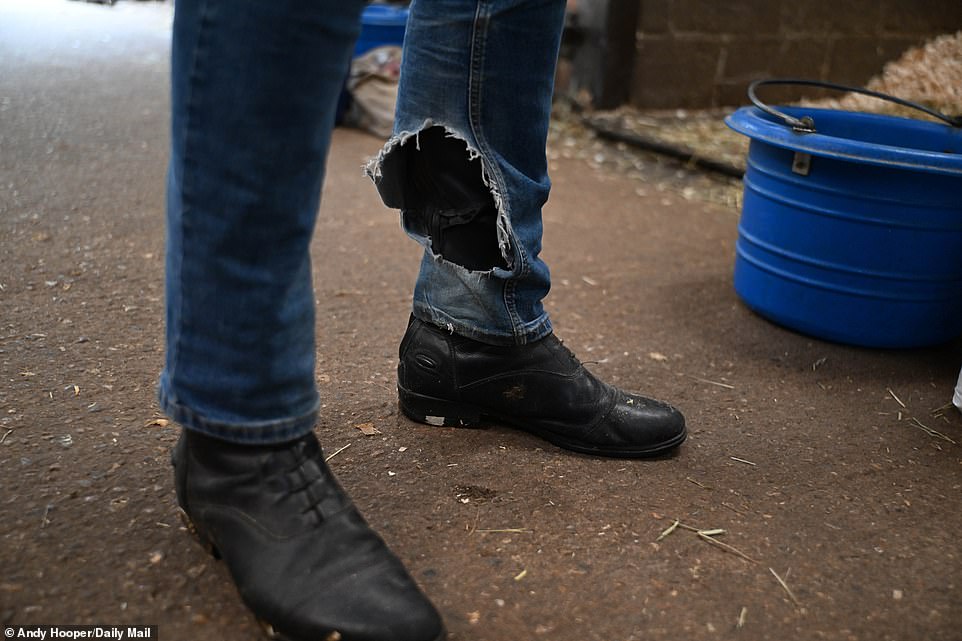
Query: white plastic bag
373,87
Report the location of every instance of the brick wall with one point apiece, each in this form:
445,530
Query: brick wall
702,53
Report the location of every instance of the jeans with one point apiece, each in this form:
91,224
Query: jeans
254,87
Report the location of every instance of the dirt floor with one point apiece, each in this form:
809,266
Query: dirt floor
841,514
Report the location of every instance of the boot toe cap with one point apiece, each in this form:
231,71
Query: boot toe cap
642,426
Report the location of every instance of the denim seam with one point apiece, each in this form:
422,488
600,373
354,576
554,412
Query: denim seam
262,432
190,109
475,89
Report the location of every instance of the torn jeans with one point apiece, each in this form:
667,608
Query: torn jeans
254,87
466,165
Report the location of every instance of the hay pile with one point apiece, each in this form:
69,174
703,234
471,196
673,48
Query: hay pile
930,75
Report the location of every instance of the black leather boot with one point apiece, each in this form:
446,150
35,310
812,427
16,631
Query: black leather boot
302,557
542,388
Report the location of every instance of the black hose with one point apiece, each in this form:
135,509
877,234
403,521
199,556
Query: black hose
680,152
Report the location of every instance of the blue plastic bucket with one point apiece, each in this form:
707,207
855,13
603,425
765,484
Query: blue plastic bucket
852,232
381,25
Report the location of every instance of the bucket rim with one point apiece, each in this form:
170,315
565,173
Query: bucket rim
752,122
382,15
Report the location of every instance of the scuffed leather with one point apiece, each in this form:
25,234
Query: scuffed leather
301,555
540,387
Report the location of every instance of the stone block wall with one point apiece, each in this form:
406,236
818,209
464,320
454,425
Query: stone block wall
703,53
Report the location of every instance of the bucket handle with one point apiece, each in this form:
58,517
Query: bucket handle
806,125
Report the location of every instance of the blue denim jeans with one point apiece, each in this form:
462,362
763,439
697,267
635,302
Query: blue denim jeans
254,88
477,78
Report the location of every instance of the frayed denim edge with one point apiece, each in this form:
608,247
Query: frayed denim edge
504,231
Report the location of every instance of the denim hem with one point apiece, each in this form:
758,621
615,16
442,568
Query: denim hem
529,333
253,432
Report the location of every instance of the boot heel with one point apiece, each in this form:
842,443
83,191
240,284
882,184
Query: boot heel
433,411
202,539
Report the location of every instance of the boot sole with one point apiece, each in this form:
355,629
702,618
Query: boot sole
197,535
442,413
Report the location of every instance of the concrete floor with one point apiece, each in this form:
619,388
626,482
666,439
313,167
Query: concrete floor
803,451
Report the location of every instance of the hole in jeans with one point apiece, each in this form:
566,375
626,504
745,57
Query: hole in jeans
444,198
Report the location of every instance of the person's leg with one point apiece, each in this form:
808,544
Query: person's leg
467,164
254,87
251,92
467,169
